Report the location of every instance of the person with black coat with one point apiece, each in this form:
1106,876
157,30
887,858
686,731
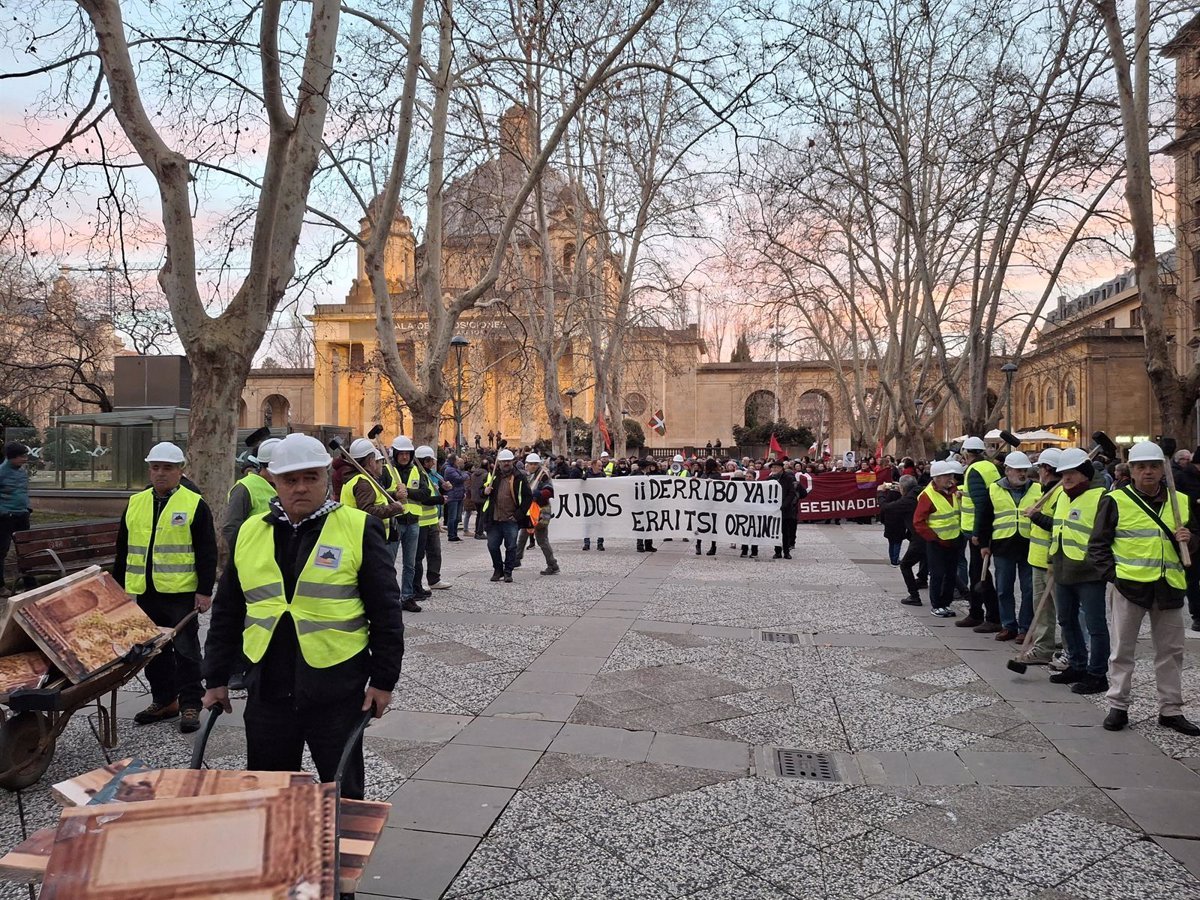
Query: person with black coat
898,514
310,599
787,507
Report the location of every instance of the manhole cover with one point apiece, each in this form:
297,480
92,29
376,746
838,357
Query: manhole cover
781,637
806,764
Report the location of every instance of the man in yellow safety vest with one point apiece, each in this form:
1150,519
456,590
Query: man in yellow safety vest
1045,621
937,519
251,494
979,474
310,599
1004,538
166,558
1136,542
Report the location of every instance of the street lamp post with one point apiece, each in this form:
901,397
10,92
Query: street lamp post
1009,369
571,394
459,343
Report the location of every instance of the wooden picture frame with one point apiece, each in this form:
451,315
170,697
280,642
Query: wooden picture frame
255,845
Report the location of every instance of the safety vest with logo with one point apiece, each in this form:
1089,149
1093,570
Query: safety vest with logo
168,546
429,514
412,507
1141,550
330,621
260,490
989,473
1073,521
1006,512
1039,537
381,499
944,521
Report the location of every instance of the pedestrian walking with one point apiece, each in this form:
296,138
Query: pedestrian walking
457,479
14,501
541,487
1135,542
428,563
473,501
902,511
166,558
310,599
505,512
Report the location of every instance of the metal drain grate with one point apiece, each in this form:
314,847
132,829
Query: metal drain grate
781,637
806,764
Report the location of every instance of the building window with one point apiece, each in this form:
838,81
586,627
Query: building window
1110,323
1069,395
1196,263
1135,317
1050,399
1031,402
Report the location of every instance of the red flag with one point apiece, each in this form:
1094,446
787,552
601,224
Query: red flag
604,433
775,448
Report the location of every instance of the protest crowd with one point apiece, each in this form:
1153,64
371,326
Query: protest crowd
327,550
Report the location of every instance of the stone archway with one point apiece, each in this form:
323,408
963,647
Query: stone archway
276,411
760,407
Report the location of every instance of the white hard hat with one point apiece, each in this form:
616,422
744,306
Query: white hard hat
166,452
945,467
1049,457
362,447
262,455
678,458
604,454
974,443
1074,458
532,458
1146,451
425,452
402,444
1017,460
504,455
297,452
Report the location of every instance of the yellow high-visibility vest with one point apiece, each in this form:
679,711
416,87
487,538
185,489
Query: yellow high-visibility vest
381,499
170,548
330,621
1141,549
1073,522
1006,512
1039,537
429,514
260,490
944,521
412,507
988,472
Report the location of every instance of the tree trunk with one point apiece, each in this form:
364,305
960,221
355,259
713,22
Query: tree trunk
426,414
217,381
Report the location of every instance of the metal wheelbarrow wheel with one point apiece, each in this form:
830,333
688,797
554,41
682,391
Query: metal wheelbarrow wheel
26,749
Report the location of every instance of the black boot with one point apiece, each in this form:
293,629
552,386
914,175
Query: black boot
712,549
754,550
1116,720
1180,724
745,550
778,553
1068,676
697,548
641,547
599,543
650,548
787,554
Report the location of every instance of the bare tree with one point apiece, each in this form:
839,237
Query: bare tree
292,341
253,85
938,154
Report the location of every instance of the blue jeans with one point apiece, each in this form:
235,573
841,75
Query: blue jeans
894,552
1087,598
453,514
1008,572
409,535
506,533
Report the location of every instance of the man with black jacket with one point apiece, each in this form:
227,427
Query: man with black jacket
1187,481
898,517
310,599
166,558
787,507
505,512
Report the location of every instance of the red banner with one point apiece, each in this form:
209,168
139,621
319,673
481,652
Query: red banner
839,495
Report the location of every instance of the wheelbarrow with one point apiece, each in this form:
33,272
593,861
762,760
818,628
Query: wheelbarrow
348,871
35,717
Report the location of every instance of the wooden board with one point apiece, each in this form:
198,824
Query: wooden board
266,845
22,670
362,822
82,623
167,784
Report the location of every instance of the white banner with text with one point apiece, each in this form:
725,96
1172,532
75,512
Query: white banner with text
745,512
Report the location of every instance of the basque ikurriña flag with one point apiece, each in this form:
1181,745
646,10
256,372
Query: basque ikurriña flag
658,423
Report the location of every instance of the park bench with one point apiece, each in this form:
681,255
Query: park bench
58,550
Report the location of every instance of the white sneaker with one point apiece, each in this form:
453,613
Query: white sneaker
1059,662
440,586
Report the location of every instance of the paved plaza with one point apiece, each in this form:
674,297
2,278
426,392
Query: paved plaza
611,732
